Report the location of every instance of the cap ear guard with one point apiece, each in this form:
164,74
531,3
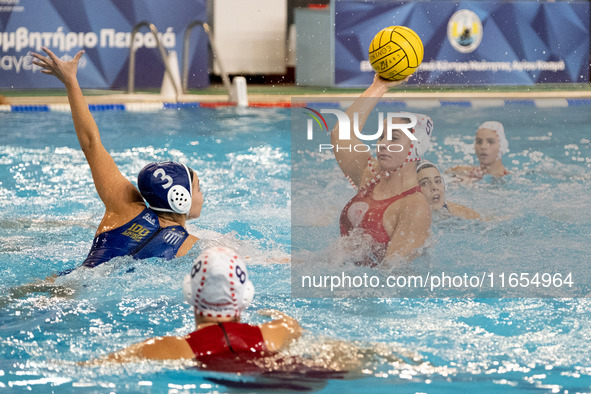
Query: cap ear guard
247,296
179,199
187,291
422,131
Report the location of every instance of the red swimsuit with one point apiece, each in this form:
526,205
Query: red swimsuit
227,338
366,213
228,347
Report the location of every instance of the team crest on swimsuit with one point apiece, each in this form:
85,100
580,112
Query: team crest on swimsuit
172,238
356,212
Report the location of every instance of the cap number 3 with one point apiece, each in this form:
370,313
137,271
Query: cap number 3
160,173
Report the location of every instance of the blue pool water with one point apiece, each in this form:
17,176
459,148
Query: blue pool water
537,218
49,212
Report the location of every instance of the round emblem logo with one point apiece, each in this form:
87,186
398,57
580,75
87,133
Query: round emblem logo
464,31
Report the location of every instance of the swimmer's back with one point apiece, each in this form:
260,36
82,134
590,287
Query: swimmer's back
224,339
141,237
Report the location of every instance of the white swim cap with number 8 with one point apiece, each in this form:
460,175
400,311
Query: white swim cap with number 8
218,285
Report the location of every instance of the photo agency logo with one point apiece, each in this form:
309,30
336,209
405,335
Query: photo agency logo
394,121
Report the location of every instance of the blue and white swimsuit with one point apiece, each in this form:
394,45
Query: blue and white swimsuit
142,238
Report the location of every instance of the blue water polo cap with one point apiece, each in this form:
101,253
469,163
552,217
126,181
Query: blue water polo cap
166,186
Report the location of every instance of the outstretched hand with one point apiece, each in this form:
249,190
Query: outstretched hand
65,71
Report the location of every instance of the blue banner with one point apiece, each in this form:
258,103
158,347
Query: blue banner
470,42
102,28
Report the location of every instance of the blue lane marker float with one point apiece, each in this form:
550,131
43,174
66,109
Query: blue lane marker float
30,108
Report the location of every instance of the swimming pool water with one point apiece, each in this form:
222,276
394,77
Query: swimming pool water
537,218
49,212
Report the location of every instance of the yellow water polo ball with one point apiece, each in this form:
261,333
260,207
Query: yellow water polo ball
396,52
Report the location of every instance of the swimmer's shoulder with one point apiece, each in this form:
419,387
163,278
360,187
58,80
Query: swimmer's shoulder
187,245
415,203
414,206
112,220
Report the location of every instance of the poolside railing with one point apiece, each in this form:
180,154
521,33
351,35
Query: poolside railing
185,61
163,55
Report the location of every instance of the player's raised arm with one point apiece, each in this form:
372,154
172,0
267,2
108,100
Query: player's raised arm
113,188
351,162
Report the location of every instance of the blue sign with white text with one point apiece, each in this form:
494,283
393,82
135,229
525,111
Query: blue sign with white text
103,29
470,42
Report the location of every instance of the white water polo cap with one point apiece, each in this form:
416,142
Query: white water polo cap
426,164
218,285
498,128
422,131
422,164
166,186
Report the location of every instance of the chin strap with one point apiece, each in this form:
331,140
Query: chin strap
376,178
377,175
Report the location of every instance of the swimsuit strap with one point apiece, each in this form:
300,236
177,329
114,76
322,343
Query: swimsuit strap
221,325
146,242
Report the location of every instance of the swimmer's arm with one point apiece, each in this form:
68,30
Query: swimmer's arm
463,169
28,288
411,231
113,188
353,163
279,332
462,211
159,348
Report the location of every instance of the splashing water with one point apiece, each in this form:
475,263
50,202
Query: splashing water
49,212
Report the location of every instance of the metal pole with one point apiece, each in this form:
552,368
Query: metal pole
163,56
185,72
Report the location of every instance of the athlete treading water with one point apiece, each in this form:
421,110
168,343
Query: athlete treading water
432,186
218,289
129,227
490,145
389,205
